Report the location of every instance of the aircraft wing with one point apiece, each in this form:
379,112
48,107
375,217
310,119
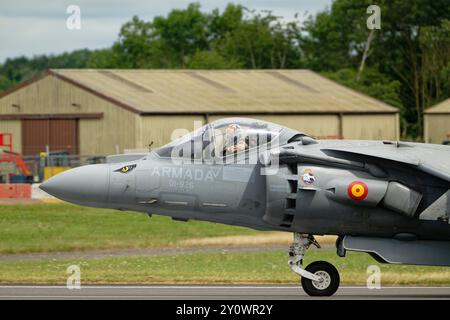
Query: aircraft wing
431,159
425,168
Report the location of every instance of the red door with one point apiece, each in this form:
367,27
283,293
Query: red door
58,134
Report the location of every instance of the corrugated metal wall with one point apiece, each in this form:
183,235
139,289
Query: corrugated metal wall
13,127
115,131
370,127
436,127
315,125
162,129
159,129
329,126
120,129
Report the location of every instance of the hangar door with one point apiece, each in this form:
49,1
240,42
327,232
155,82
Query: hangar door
58,134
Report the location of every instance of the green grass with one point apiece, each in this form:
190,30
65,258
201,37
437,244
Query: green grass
256,267
65,227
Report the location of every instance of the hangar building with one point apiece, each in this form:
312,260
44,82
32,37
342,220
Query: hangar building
100,112
437,123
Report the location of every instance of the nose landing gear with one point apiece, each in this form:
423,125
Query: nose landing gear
319,278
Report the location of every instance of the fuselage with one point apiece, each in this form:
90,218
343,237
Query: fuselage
304,197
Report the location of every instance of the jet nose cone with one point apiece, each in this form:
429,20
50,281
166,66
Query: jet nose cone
85,185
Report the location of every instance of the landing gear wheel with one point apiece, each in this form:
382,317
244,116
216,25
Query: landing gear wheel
327,285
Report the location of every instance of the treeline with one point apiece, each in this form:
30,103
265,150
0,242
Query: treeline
406,63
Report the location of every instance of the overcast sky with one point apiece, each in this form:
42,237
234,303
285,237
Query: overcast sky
39,27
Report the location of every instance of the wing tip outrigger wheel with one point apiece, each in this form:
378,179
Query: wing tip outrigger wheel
319,278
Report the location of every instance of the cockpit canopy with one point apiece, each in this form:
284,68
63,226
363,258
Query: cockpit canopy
221,138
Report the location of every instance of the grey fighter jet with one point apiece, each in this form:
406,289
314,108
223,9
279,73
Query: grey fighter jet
387,198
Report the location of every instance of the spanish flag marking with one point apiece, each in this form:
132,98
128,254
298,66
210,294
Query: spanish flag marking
357,190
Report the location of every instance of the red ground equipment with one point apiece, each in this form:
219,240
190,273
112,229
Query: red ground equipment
7,154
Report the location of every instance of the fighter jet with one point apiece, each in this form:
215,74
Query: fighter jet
387,198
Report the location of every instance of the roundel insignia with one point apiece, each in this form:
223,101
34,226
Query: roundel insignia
357,190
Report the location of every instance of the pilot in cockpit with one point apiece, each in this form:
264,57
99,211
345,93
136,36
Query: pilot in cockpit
234,139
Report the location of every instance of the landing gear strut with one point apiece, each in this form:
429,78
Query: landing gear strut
319,278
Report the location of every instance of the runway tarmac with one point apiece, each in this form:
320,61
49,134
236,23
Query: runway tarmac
219,292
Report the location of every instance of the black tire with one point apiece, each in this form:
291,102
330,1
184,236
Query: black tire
321,289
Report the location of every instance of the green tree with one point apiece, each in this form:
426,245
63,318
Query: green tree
103,59
435,62
5,83
134,47
405,63
211,60
262,41
399,50
372,83
336,39
226,22
20,69
182,32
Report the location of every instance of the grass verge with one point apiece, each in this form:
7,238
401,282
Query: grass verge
66,227
213,268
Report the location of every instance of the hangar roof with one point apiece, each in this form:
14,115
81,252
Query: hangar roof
222,91
443,107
